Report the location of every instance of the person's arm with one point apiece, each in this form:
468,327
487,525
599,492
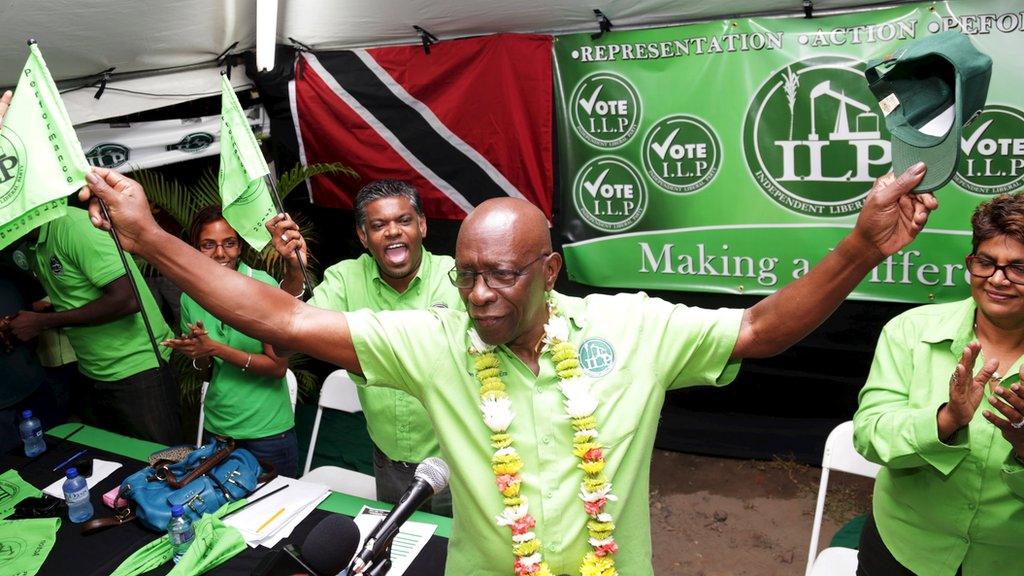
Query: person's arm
891,218
118,300
888,430
198,345
287,240
263,312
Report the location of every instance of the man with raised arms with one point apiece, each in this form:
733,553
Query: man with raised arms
545,405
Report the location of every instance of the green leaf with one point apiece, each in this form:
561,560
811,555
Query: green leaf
287,181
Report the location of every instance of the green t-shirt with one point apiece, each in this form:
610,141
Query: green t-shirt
240,404
938,505
74,261
633,346
396,421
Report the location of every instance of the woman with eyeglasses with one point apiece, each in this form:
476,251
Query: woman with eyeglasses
247,398
943,413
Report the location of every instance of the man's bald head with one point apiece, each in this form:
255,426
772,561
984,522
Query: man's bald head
508,235
519,222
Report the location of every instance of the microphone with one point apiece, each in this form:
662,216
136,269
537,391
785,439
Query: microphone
431,477
327,550
331,544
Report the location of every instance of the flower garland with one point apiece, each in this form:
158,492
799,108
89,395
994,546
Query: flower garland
595,490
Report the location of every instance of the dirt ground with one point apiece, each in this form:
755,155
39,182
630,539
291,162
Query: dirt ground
724,517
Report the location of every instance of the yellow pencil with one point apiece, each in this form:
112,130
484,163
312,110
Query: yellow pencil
269,520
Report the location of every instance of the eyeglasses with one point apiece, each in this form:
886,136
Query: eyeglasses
498,278
210,245
984,268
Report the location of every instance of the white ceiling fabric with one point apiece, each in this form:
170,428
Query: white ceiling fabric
79,38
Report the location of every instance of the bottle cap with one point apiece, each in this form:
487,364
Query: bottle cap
72,473
177,510
26,414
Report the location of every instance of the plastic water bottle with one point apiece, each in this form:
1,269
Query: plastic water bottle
179,530
32,434
76,494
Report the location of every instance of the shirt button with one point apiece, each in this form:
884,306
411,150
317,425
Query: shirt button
546,439
966,540
549,495
551,547
970,506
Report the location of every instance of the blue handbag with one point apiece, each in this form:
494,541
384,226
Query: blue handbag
202,482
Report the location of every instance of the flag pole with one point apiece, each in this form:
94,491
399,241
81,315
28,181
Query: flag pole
160,362
272,186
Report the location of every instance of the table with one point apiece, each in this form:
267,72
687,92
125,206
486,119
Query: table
102,552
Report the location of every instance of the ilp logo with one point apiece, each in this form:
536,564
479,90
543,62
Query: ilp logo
814,138
605,110
992,159
597,357
12,167
682,154
194,142
11,550
107,155
609,194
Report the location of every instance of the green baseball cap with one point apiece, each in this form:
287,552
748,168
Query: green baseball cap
928,90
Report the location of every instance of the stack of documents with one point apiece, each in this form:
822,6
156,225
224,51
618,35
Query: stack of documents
273,518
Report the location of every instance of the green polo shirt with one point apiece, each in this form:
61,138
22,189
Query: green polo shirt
938,505
240,404
74,261
633,346
396,421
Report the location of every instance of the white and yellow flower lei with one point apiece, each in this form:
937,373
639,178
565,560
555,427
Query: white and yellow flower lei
595,490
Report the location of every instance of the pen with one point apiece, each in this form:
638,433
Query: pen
250,502
269,520
55,444
70,459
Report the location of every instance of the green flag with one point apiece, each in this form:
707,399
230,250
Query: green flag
13,490
25,544
41,161
244,196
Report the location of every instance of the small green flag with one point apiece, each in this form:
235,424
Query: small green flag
245,198
41,161
25,544
13,490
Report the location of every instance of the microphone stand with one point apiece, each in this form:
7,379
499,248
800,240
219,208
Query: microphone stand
382,567
379,566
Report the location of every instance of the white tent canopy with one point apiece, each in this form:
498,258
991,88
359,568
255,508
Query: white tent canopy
82,38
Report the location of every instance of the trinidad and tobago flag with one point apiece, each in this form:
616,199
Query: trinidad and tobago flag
472,120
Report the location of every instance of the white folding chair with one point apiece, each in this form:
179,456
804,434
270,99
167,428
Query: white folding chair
338,393
293,392
839,455
293,387
202,412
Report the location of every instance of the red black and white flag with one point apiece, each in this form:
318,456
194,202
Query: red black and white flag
468,122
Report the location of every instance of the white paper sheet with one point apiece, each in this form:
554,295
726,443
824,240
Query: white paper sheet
100,470
411,538
273,517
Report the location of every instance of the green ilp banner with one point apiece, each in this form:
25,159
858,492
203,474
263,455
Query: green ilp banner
731,156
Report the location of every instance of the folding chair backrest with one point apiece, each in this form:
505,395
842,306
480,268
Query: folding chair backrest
337,393
293,387
202,412
839,455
